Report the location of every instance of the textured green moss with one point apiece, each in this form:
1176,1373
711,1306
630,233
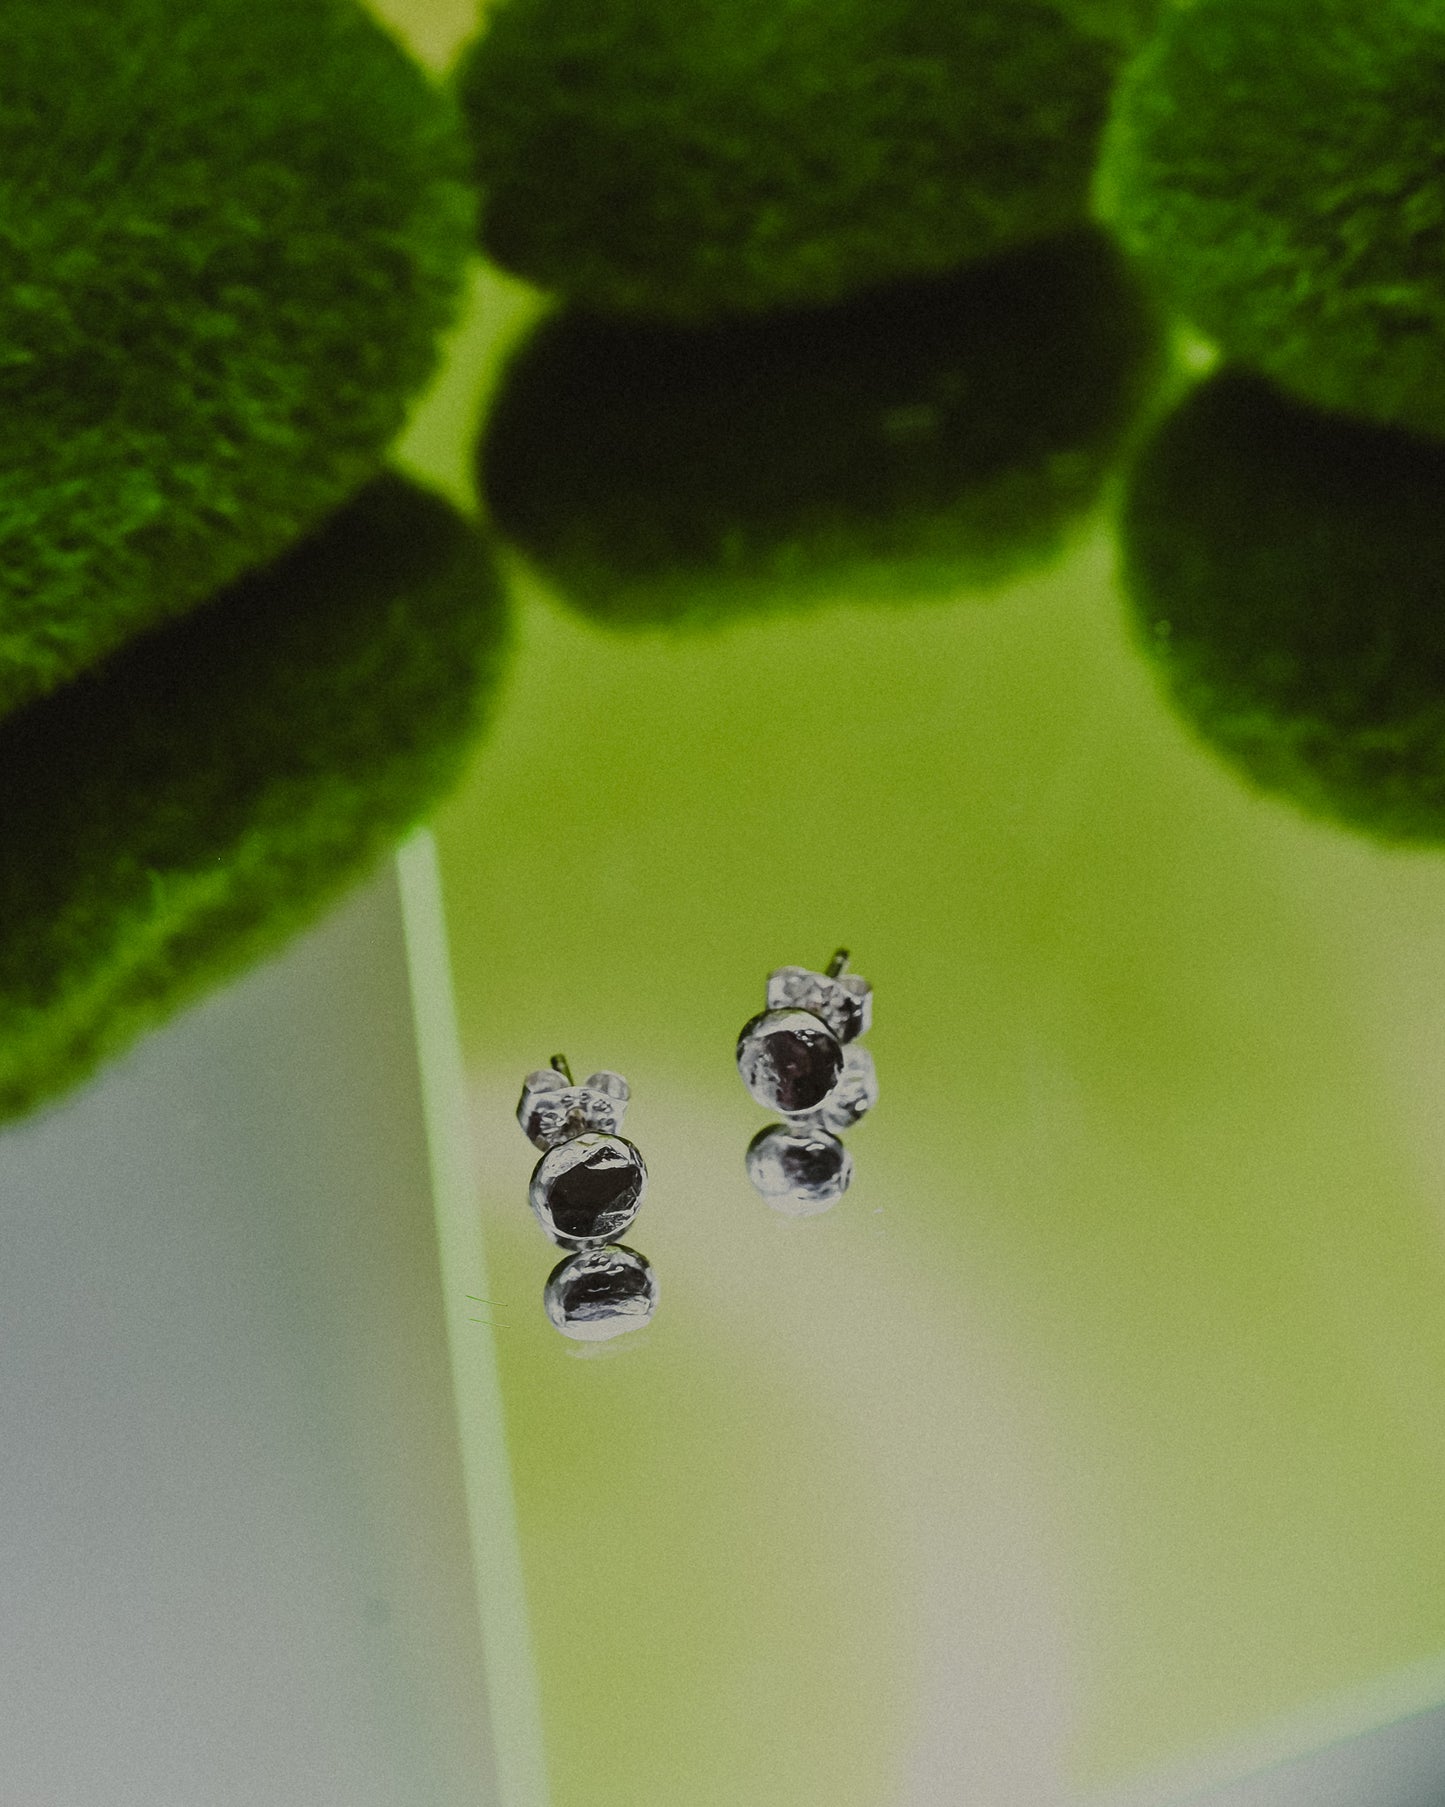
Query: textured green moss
1127,23
730,156
921,439
1281,169
231,231
1285,569
186,804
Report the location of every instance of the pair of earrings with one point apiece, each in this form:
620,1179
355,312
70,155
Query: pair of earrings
799,1056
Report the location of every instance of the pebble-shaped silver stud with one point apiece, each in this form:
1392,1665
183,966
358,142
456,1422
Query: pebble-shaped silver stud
851,1099
789,1060
601,1293
798,1170
587,1190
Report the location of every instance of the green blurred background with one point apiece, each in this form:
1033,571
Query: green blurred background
1103,1422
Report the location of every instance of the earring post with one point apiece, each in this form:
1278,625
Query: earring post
838,965
559,1065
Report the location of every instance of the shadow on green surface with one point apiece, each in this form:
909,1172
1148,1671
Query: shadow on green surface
1286,574
179,810
931,438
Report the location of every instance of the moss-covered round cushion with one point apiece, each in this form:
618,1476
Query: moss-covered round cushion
1285,570
229,233
692,158
190,801
1280,167
924,438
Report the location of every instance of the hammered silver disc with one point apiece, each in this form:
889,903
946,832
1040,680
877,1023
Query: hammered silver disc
601,1293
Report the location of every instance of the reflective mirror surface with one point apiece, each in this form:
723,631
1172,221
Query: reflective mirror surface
1096,1429
1097,1425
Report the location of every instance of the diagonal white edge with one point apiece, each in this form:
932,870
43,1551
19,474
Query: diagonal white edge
513,1701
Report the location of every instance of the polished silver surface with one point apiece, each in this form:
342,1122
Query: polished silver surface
798,1170
789,1059
586,1190
601,1293
851,1098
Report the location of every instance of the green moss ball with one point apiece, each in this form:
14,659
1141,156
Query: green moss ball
188,803
923,439
731,156
1285,571
1281,169
1128,23
232,230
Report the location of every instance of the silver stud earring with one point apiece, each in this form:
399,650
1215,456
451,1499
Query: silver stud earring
585,1192
800,1057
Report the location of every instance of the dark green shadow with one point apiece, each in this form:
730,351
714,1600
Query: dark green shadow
932,437
184,807
1286,574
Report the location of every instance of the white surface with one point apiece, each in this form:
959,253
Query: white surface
234,1563
234,1539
